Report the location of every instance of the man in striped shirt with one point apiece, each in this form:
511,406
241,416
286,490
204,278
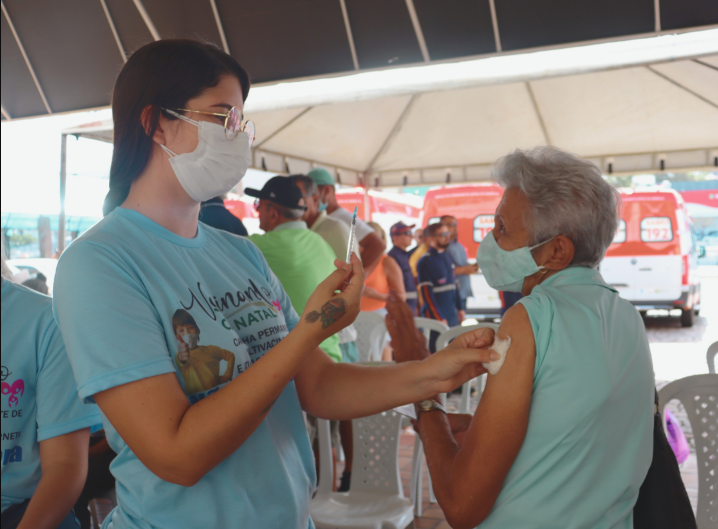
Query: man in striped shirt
437,280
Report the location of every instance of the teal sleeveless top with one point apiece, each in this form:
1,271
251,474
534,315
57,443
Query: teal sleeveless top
589,440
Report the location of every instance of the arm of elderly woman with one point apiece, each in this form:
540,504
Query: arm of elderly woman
467,479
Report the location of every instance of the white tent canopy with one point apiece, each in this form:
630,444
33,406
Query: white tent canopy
633,106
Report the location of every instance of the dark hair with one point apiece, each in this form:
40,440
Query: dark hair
182,318
432,229
162,74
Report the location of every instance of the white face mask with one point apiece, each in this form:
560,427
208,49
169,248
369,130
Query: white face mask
215,166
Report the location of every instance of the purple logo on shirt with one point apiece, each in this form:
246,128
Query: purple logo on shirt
17,387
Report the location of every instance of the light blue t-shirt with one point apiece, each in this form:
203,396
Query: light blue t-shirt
125,293
39,395
589,441
458,254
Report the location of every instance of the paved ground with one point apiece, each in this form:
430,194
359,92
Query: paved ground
677,352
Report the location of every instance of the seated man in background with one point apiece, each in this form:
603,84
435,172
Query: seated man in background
336,234
371,246
300,259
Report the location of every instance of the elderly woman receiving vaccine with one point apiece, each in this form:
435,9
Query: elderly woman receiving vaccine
562,436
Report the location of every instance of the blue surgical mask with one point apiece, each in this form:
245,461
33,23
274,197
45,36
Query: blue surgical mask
322,206
506,270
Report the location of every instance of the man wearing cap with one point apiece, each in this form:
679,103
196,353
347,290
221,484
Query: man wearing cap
457,252
371,247
299,258
401,238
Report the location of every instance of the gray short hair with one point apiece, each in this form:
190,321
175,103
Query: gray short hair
568,196
308,183
288,213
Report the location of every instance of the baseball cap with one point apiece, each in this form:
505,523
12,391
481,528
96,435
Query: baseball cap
280,190
399,228
321,177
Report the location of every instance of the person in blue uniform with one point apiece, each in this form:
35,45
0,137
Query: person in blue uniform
213,213
437,279
401,238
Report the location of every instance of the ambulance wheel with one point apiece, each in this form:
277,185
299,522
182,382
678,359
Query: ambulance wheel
687,318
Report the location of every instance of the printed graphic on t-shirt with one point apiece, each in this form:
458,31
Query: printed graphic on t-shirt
13,390
220,337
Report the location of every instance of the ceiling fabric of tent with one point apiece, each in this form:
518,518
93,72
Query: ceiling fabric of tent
61,56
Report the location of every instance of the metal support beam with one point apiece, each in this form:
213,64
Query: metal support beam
280,129
657,14
539,116
63,188
148,21
111,22
417,29
495,24
220,27
679,85
27,59
703,63
392,133
5,113
350,37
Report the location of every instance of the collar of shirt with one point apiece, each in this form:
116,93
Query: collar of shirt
292,225
434,251
577,275
321,218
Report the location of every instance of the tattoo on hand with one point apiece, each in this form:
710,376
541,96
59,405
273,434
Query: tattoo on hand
331,312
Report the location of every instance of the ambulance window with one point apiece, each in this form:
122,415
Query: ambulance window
620,233
656,229
483,224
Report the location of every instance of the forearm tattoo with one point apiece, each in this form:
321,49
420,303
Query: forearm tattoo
331,312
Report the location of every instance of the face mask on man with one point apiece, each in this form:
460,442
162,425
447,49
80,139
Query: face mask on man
506,270
322,205
215,166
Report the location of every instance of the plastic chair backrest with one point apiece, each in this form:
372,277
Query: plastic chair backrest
371,330
445,337
711,357
376,454
699,396
426,325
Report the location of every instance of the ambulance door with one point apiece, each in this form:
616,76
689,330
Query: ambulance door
658,276
617,268
484,296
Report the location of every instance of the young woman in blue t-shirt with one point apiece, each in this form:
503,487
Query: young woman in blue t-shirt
236,454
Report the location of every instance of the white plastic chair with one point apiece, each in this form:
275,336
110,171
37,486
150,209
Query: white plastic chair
426,326
711,357
107,495
371,331
699,396
376,499
444,339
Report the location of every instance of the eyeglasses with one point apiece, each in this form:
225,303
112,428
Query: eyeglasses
442,235
256,204
233,123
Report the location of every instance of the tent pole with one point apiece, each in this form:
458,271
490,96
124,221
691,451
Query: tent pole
63,187
367,211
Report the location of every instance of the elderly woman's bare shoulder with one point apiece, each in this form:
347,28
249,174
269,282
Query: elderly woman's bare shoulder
515,344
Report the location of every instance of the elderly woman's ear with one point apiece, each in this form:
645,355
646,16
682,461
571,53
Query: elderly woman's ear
556,254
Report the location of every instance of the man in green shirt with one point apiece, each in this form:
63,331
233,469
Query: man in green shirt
299,257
